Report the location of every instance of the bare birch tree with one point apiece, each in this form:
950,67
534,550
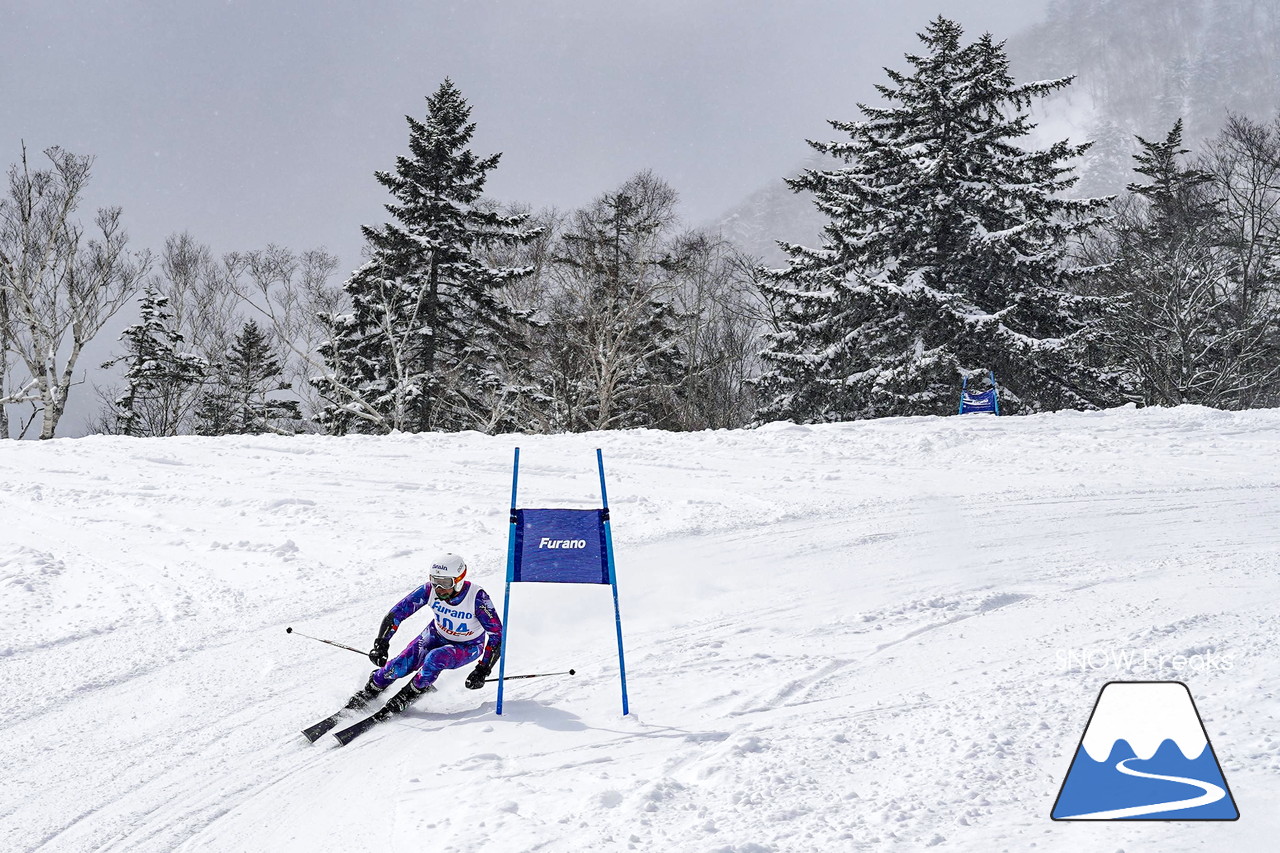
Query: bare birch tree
60,285
5,344
612,325
209,302
722,313
203,311
1245,160
292,292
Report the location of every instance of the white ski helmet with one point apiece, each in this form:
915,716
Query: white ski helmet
447,571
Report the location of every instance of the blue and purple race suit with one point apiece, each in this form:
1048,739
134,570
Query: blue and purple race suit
465,628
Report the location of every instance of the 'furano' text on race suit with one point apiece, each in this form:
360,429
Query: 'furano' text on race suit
464,628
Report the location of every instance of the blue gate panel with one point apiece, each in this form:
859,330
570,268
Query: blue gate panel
560,546
983,402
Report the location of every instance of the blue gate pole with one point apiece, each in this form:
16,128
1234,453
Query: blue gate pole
995,393
511,571
613,580
964,383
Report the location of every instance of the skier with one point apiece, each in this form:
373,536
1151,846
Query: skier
466,627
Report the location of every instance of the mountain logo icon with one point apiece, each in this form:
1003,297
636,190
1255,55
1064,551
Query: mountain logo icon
1145,755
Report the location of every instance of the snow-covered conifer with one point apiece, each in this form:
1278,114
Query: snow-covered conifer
945,253
239,400
159,373
418,350
1192,314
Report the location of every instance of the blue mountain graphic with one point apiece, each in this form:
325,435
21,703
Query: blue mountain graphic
1100,786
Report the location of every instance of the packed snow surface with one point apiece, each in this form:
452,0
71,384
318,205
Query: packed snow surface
884,635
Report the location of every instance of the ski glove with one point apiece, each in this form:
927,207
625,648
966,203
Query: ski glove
378,654
476,679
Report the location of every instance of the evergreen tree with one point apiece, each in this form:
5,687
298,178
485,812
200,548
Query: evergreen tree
159,377
1107,166
1179,197
1188,319
419,350
240,402
1170,266
945,254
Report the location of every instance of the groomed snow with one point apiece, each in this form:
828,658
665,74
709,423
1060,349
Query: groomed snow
885,635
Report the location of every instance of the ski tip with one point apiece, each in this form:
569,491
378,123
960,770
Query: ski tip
314,733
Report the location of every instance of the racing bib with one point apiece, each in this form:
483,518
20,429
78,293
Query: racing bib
457,622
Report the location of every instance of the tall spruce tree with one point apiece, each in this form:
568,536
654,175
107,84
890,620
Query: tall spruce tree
239,401
418,350
945,254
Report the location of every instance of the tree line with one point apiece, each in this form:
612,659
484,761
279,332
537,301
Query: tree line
466,314
951,249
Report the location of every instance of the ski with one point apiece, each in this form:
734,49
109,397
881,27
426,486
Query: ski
314,733
354,731
394,706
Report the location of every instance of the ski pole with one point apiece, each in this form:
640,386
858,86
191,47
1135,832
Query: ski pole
536,675
330,642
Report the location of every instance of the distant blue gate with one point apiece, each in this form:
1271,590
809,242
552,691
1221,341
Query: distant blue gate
980,401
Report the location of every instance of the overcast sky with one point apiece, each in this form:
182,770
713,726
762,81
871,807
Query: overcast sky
254,121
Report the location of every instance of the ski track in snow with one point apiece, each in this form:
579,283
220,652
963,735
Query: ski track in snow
841,637
1210,793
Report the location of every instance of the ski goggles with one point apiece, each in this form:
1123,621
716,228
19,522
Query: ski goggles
441,580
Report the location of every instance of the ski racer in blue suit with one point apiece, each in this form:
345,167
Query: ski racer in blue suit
465,628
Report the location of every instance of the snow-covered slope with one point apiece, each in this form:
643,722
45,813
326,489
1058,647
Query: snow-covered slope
876,636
